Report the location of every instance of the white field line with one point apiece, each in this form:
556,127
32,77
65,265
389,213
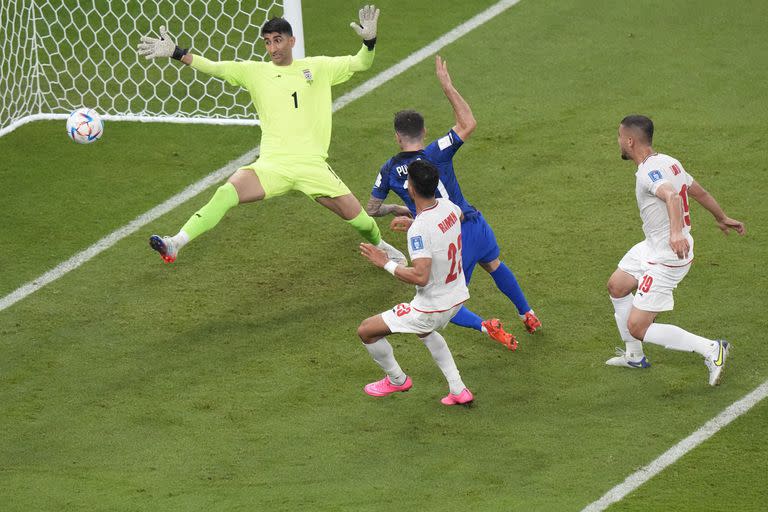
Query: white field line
218,175
671,456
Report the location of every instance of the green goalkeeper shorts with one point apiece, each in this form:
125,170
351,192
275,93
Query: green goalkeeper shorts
313,177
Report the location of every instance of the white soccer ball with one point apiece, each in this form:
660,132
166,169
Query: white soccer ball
84,126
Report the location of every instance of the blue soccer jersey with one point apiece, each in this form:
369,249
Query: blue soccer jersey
394,173
478,240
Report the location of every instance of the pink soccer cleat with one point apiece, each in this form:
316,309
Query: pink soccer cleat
384,387
464,397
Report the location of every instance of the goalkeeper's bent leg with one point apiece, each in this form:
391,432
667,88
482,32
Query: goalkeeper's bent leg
209,215
367,227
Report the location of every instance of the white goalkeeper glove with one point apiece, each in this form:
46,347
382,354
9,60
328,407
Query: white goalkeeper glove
366,29
152,48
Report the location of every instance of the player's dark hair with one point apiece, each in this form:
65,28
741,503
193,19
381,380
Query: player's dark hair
279,25
642,123
423,177
409,123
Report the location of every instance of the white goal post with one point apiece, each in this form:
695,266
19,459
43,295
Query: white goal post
58,55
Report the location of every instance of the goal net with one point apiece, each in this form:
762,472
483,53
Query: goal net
58,55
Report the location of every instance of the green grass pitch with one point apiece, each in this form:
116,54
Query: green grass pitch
232,380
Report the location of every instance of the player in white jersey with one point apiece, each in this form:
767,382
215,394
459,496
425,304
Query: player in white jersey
434,243
655,266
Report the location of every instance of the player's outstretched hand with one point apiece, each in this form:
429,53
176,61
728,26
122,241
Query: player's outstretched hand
441,70
152,48
400,223
374,254
729,223
369,17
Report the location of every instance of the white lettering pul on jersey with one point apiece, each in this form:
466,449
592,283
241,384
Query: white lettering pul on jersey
402,170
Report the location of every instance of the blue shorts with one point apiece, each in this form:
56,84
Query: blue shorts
478,243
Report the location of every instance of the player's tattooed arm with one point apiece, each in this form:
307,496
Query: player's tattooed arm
401,223
377,208
705,199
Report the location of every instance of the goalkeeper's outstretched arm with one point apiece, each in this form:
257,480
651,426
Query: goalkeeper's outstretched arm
166,47
366,29
363,60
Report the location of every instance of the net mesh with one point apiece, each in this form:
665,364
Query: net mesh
18,87
58,55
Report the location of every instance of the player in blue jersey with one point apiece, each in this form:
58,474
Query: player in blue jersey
478,240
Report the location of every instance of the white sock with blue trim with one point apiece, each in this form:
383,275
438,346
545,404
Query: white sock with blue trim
622,307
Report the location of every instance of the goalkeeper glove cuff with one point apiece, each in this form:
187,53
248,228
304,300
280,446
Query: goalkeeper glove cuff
178,53
370,43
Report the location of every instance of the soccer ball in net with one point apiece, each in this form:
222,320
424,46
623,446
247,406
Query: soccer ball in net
84,126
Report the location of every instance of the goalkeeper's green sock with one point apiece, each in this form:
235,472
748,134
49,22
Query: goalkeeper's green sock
209,215
367,227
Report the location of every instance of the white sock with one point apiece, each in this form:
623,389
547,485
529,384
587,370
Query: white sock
522,317
180,239
442,356
622,308
381,352
675,338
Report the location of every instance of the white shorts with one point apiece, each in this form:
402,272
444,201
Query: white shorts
403,318
655,281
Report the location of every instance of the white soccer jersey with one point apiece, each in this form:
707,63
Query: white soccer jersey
651,173
436,233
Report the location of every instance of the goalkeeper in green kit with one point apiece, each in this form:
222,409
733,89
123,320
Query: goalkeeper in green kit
293,99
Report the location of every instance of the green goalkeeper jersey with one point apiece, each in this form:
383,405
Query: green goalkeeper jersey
294,102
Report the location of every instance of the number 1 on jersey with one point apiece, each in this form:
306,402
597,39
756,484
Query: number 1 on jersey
295,99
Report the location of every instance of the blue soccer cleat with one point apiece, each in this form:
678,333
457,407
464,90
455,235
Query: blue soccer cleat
626,360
